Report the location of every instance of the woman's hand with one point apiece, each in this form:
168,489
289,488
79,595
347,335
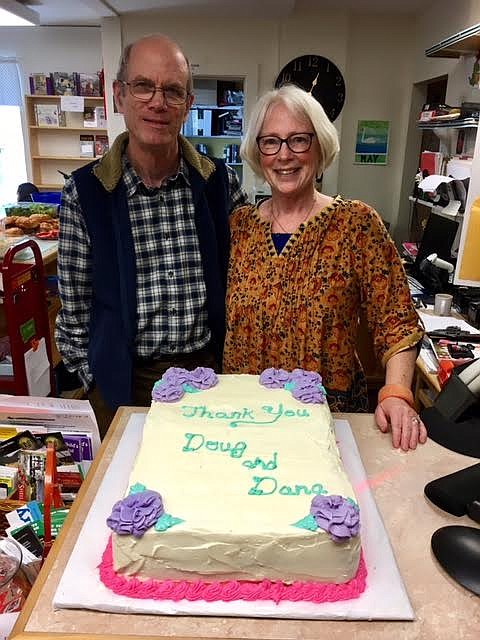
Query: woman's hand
403,421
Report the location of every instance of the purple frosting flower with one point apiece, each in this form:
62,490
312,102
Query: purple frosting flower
306,377
136,513
167,392
202,378
274,378
336,515
175,375
309,393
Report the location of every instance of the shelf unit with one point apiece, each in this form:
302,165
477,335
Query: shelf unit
466,42
25,315
448,135
209,96
56,148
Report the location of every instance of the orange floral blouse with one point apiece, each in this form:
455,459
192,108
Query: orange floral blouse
301,308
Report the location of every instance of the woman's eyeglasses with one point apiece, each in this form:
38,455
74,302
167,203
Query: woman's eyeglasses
143,90
297,142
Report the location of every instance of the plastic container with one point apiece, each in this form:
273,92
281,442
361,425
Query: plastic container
50,197
29,208
14,587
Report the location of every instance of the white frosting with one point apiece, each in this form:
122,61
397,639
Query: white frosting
227,533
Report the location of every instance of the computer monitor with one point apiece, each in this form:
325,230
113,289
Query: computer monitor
438,238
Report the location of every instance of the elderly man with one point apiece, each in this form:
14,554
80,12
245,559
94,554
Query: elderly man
144,242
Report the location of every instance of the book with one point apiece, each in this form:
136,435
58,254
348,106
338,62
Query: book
431,162
88,84
89,119
94,117
64,83
40,84
87,146
101,145
100,119
47,115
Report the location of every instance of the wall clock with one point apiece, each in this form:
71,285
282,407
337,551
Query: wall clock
318,75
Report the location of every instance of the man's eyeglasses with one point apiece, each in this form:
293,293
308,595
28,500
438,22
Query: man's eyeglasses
297,142
144,91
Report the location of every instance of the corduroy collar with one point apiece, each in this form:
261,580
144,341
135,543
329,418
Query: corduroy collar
109,168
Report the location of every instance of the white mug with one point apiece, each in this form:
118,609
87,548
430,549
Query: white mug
443,304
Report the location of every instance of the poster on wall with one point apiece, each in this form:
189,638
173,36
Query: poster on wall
467,270
371,146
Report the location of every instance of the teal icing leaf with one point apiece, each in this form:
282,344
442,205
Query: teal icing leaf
189,389
306,523
289,386
352,501
137,488
166,521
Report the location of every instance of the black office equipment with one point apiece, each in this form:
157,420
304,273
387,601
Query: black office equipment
438,237
457,549
454,419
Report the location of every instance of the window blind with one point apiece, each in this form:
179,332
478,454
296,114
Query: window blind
10,85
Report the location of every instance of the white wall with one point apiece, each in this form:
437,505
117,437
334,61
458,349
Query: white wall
45,49
380,55
377,86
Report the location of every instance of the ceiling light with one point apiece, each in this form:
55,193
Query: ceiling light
14,14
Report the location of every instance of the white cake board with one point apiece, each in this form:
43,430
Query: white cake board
385,597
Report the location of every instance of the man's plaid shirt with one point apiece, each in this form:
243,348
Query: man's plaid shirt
171,292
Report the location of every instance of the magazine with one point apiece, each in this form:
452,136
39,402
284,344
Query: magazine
64,83
88,84
47,115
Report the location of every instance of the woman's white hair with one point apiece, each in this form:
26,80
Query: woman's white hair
302,104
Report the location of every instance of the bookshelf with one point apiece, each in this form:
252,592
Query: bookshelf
216,120
54,148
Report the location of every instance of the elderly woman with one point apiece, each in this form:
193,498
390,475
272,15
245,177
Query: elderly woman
304,265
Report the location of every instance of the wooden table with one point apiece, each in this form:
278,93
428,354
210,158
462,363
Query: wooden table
444,610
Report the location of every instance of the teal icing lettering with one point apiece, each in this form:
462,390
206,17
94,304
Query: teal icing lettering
289,413
247,413
190,438
318,489
238,450
204,412
196,411
262,486
278,412
299,489
196,441
303,413
188,411
266,466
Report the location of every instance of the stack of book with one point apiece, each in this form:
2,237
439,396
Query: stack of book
66,83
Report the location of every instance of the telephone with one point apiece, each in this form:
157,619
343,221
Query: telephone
454,419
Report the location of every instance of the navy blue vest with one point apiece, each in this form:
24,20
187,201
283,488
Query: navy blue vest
112,328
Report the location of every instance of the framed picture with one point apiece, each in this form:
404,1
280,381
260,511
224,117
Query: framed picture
371,146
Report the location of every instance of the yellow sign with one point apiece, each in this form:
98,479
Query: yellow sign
470,259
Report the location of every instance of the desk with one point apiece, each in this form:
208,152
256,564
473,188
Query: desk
444,610
426,386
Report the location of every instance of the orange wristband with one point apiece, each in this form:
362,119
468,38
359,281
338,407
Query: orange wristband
396,391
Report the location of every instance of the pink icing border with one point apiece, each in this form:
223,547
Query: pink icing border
231,590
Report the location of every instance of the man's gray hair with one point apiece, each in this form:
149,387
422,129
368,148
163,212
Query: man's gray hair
123,65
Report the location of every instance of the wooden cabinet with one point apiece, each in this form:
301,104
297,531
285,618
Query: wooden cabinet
55,149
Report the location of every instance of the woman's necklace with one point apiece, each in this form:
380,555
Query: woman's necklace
275,216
